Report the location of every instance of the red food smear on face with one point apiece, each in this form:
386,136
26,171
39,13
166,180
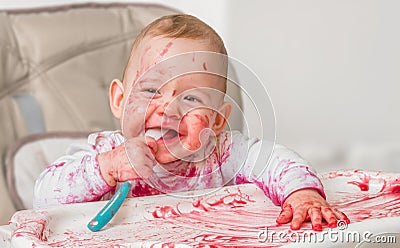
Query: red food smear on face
147,49
205,66
207,119
136,77
165,50
204,121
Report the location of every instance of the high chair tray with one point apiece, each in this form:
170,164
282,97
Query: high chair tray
235,216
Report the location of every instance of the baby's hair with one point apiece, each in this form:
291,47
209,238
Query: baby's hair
182,26
179,26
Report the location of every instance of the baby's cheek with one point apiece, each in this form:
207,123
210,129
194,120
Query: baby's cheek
137,104
197,125
135,114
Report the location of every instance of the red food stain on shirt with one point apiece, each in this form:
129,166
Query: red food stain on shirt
191,172
143,189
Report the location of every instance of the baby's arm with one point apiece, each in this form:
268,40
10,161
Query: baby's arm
286,179
277,174
73,178
90,171
286,173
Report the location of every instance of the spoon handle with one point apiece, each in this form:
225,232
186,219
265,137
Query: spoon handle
110,209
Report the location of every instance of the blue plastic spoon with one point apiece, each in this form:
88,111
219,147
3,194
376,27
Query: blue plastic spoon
110,209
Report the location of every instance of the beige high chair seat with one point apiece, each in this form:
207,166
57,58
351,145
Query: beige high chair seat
56,64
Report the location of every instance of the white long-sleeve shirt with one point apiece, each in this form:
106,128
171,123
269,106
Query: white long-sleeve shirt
237,159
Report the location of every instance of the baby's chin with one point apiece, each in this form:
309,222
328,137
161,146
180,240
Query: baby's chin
168,156
166,159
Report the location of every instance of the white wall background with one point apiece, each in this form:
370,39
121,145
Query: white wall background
332,69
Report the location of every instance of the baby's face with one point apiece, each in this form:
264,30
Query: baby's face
186,109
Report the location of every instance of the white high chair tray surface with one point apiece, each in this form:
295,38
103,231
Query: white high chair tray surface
236,216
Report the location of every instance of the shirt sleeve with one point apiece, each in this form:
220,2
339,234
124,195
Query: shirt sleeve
277,170
74,177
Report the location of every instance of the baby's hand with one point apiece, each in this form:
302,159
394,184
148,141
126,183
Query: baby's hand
308,204
132,160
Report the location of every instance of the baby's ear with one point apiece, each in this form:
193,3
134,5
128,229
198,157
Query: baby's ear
222,117
116,94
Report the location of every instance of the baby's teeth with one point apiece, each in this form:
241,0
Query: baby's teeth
155,133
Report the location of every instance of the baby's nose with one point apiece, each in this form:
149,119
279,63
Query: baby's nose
170,109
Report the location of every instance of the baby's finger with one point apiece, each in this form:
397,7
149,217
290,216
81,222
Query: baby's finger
151,143
144,168
285,216
149,162
299,216
340,215
146,172
125,175
316,218
329,216
138,164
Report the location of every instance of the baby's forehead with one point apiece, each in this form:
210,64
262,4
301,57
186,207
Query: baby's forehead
166,58
161,47
202,80
186,80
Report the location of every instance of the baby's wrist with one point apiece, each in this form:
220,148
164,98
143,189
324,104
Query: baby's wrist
306,192
107,169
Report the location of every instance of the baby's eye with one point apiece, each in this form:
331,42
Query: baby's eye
192,99
152,91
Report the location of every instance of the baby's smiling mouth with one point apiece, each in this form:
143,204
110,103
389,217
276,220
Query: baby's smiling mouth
164,134
170,134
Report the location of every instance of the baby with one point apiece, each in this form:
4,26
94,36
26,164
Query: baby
169,124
